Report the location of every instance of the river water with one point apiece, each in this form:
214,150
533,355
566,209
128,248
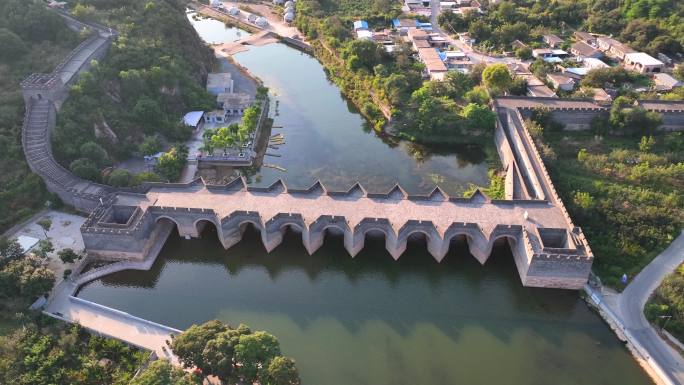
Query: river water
370,320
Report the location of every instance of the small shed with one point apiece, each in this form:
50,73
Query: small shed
193,118
360,24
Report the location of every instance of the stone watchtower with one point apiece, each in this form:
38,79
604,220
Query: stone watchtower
43,86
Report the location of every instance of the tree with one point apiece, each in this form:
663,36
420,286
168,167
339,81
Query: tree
27,278
646,144
362,54
45,224
189,346
255,351
44,248
497,78
84,168
524,53
479,117
68,255
13,47
120,178
10,249
679,71
631,119
282,371
150,145
218,356
170,164
161,372
146,176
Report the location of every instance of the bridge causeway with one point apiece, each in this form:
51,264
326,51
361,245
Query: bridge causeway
128,225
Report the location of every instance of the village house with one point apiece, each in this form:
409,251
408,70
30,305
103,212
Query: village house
234,103
433,63
561,82
536,88
517,44
403,25
585,37
552,41
614,47
592,63
643,63
601,96
665,82
583,50
218,83
549,55
216,116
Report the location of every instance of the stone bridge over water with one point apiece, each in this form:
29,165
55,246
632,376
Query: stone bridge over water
129,225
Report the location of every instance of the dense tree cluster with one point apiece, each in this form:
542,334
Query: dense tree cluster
54,355
153,73
235,354
623,186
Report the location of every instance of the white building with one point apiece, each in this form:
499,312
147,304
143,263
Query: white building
643,62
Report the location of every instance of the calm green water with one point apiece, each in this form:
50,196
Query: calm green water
325,137
370,320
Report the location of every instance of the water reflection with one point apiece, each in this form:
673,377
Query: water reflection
350,321
327,139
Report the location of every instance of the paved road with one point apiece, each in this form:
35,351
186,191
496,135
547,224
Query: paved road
630,303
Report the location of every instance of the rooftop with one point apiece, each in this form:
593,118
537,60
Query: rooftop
219,79
234,100
643,58
431,59
583,49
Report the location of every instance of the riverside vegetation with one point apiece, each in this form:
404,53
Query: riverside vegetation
384,85
622,183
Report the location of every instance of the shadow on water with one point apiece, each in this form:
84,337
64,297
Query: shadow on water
372,286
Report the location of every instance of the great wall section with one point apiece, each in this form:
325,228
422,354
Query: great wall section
127,227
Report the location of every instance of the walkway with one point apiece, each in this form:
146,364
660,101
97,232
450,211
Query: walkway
629,307
110,322
43,94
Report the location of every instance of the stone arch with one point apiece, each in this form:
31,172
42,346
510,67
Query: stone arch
159,218
242,225
200,226
368,225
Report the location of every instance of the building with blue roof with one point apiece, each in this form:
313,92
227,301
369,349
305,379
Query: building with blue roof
360,24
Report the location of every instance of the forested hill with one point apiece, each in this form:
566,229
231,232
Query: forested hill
153,74
32,39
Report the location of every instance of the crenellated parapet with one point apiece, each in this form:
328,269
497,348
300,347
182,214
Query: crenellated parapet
537,231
